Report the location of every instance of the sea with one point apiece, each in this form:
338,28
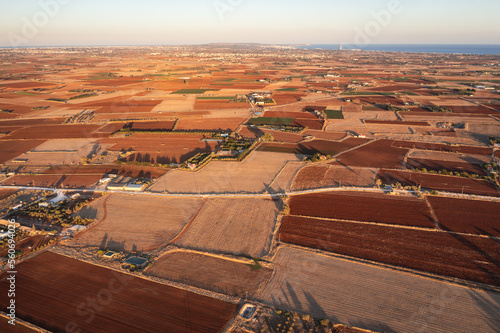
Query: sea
491,49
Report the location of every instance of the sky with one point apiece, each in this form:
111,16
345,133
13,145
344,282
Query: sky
165,22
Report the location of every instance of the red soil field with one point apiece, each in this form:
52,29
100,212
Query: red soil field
466,257
58,132
326,135
439,182
287,98
111,128
377,154
151,125
58,181
164,149
4,193
125,303
315,124
438,165
294,115
310,148
365,207
28,85
124,117
32,122
12,148
444,148
476,109
467,216
231,124
218,105
403,123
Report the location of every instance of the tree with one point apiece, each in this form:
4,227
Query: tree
379,183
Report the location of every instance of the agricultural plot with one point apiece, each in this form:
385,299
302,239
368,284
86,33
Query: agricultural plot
401,123
282,183
375,298
450,157
324,147
101,170
126,303
467,216
239,278
54,181
152,125
13,148
439,182
469,150
240,226
438,165
460,256
131,223
253,175
326,135
378,154
58,132
161,149
363,206
323,176
208,124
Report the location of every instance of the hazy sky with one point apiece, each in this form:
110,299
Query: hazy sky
146,22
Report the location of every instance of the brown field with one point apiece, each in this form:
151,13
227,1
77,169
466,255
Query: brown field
224,124
227,276
163,149
439,182
283,182
466,257
28,85
57,181
58,132
476,109
363,206
18,328
449,157
294,115
438,165
240,226
378,154
31,122
444,148
152,125
326,135
402,123
323,176
467,216
12,148
315,124
375,298
253,175
287,98
101,170
4,193
135,223
317,146
126,303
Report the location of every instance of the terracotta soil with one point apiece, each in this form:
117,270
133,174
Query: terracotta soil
132,304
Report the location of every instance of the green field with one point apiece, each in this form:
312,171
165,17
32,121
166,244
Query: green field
288,89
216,98
271,121
334,114
409,93
192,91
25,93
